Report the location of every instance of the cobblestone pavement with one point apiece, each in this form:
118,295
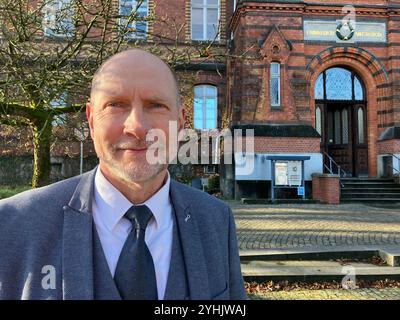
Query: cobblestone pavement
330,294
288,226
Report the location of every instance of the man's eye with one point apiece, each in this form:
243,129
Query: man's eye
114,104
157,105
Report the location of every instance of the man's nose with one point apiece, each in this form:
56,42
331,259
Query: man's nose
136,123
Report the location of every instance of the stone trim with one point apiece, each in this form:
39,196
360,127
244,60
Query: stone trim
284,130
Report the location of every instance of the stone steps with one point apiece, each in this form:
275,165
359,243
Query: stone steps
318,265
393,195
278,201
369,190
279,270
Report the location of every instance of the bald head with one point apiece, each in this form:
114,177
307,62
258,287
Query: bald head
130,62
133,102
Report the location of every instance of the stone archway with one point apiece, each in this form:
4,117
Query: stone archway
373,75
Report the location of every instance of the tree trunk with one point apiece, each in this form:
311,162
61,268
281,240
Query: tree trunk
42,130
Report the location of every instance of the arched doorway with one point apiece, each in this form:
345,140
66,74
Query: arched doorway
341,119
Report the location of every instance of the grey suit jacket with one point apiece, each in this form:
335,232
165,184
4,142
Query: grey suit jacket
46,249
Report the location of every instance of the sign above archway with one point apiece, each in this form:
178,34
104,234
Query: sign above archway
344,32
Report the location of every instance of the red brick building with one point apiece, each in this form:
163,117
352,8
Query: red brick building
315,82
178,25
320,81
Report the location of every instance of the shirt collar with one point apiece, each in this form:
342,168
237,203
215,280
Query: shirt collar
113,204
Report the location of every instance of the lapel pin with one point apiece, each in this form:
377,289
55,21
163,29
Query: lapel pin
187,218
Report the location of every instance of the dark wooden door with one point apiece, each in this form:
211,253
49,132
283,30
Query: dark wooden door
345,136
339,137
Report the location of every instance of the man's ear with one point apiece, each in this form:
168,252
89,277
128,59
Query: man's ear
89,117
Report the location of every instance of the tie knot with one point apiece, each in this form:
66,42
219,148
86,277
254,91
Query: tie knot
139,216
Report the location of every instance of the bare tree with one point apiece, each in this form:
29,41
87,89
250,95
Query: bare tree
49,50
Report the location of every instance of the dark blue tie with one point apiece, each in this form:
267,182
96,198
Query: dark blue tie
135,276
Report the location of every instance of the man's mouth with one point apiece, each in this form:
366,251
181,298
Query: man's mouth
135,149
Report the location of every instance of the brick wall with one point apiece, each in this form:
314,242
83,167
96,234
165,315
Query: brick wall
258,27
252,29
326,188
285,145
389,146
170,17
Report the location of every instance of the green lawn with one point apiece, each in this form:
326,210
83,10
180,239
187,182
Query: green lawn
8,191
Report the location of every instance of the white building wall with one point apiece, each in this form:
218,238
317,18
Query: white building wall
395,164
260,168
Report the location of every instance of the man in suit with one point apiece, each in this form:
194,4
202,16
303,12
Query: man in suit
124,230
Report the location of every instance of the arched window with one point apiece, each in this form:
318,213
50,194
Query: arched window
330,126
358,90
318,120
338,84
205,107
275,84
319,88
361,134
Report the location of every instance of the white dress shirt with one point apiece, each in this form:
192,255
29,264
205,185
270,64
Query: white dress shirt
109,207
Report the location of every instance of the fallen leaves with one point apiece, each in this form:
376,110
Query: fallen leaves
375,260
269,286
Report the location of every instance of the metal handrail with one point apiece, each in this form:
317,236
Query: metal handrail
393,155
396,157
330,169
340,170
398,171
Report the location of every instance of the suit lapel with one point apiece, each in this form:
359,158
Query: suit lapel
191,245
177,284
77,260
77,256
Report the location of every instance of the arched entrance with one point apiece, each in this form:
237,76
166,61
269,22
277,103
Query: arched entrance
341,119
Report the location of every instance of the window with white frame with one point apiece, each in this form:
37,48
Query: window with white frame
57,18
133,14
205,19
205,107
275,84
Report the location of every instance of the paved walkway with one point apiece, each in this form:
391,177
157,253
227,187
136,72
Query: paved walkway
331,294
295,226
318,227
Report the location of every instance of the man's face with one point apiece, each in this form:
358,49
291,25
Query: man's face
129,99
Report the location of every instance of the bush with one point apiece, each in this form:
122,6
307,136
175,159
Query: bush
213,185
7,191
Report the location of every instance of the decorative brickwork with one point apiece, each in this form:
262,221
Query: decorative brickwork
270,31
